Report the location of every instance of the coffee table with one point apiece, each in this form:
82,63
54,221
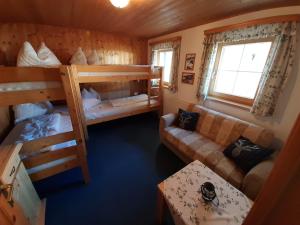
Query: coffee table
181,193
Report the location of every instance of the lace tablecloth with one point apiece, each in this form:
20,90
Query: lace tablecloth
182,194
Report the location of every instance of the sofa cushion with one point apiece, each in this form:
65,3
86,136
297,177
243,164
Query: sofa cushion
224,129
227,169
197,147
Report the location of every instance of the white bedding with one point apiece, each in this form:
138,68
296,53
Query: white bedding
42,126
106,108
128,100
23,86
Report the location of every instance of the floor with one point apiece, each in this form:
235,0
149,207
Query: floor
126,162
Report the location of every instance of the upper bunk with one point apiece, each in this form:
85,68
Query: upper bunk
112,73
33,85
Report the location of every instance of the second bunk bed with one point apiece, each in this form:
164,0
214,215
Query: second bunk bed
150,99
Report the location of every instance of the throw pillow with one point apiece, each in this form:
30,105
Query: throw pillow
246,154
187,120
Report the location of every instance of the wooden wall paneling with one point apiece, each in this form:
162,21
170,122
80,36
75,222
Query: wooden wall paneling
112,48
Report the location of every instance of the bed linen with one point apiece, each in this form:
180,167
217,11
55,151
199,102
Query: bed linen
106,108
43,126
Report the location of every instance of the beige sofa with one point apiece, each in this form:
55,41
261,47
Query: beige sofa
213,133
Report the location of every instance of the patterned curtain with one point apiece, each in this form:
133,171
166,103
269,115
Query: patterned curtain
277,68
175,46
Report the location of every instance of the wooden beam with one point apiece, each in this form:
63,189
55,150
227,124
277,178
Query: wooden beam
267,20
28,74
95,79
31,96
38,144
114,68
49,156
178,38
54,170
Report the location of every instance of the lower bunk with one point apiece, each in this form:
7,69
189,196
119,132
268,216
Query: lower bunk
48,144
119,108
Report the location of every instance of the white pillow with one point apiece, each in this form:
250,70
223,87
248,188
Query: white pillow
95,94
47,56
90,99
27,56
89,103
29,110
93,58
78,58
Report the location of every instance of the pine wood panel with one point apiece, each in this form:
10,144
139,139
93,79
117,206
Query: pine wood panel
145,18
65,41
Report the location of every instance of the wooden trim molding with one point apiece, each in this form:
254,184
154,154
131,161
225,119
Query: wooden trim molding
268,20
178,38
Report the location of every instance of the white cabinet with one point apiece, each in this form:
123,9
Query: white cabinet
19,202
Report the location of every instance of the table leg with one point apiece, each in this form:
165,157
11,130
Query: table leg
161,205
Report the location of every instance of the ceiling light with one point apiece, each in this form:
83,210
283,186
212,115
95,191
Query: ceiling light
119,3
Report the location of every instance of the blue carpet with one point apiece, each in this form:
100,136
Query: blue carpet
126,162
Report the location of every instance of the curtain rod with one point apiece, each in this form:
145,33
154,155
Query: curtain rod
166,40
273,19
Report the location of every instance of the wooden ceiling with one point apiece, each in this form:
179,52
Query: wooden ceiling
143,18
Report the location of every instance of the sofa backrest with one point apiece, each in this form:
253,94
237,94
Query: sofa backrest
224,129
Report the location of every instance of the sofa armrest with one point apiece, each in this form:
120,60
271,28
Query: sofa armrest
167,120
256,177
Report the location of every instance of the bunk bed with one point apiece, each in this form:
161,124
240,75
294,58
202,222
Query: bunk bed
122,107
51,152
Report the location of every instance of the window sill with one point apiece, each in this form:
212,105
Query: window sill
234,104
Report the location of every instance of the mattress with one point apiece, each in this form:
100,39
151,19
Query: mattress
43,126
25,86
118,106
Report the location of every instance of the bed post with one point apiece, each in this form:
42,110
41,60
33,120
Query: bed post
74,110
161,89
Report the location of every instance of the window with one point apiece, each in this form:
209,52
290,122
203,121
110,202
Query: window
164,58
238,69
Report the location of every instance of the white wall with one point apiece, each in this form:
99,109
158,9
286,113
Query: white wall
289,104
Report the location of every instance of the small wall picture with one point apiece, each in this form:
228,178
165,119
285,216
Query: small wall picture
188,78
189,61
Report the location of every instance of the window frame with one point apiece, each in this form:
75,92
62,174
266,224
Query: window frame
228,97
165,83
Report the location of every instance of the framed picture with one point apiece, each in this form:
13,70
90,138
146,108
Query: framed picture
188,78
190,61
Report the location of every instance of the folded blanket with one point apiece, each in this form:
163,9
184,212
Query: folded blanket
128,100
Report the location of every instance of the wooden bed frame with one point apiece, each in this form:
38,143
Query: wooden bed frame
66,92
96,74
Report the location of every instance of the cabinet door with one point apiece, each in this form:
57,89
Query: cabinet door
25,195
11,214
